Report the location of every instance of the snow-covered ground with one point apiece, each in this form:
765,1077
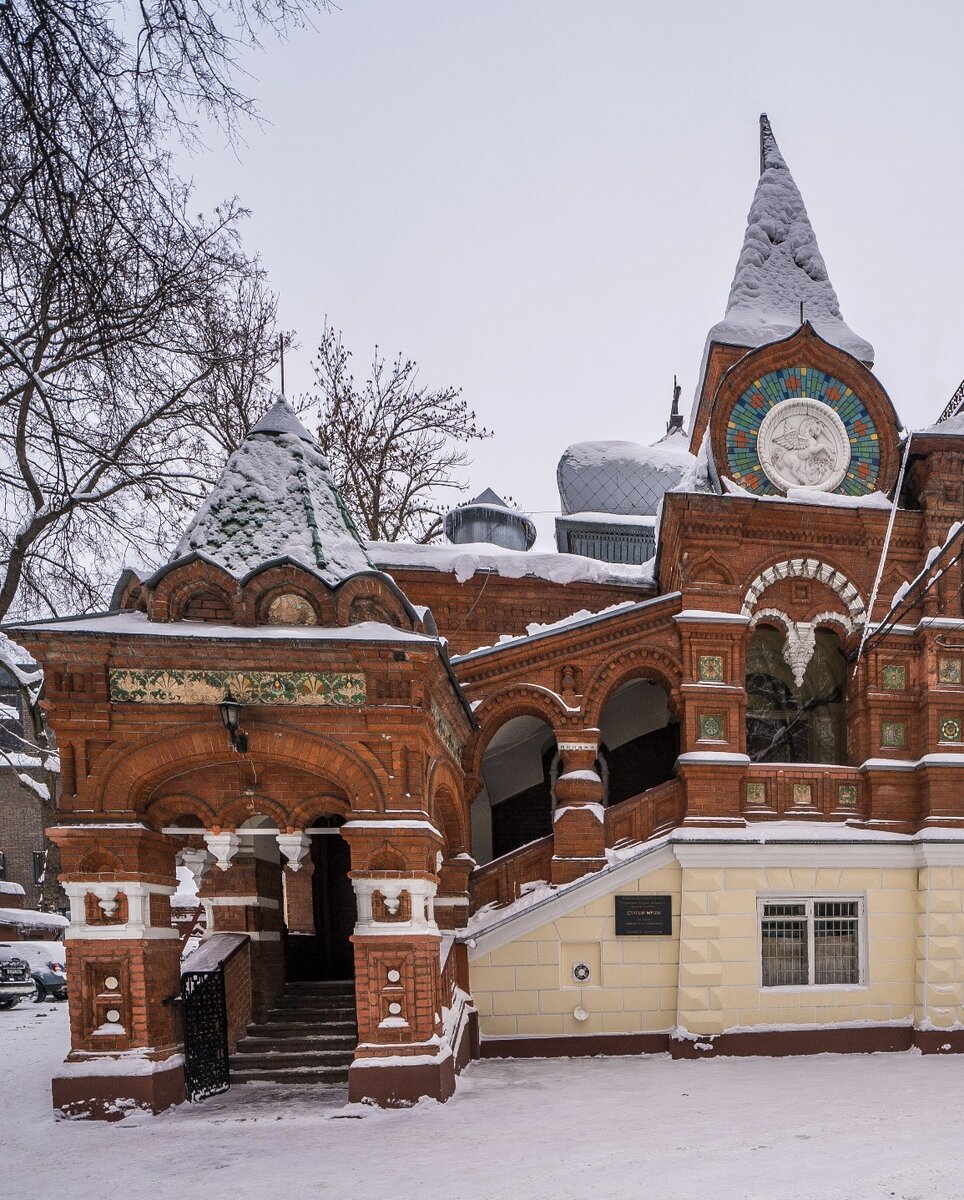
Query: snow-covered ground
858,1127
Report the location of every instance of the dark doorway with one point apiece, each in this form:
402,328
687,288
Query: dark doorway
328,953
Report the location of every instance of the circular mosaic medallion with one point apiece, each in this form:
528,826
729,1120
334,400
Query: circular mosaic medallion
805,446
803,443
950,730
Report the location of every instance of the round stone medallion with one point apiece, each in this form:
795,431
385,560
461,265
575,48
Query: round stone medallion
803,443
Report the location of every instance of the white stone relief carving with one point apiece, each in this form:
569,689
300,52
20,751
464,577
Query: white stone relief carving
295,847
421,893
801,639
803,443
198,862
807,568
224,846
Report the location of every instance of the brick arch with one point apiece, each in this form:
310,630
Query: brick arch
133,775
242,808
324,804
164,810
807,568
371,590
267,583
192,578
523,700
447,806
647,663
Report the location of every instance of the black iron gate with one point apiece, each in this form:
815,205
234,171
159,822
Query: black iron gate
205,1033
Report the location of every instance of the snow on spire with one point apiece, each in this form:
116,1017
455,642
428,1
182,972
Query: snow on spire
781,266
276,499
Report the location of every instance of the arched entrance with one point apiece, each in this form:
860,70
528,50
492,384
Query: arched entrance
639,740
320,910
515,805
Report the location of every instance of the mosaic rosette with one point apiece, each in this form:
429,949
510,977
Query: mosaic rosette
793,383
341,689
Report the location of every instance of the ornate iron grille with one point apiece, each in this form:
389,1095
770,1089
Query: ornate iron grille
205,1034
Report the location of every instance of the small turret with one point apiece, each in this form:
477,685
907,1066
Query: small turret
488,518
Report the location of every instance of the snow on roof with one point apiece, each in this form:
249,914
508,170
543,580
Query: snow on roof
126,624
779,266
584,617
952,427
463,561
801,495
276,499
620,477
29,918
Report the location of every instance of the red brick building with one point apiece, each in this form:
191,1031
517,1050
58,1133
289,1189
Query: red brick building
537,803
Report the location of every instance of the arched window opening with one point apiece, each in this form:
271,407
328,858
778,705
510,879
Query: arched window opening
11,712
791,723
515,804
639,740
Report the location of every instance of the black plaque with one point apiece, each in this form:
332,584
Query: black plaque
640,915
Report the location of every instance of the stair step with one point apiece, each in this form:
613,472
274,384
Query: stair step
295,1028
303,1013
256,1043
289,1075
282,1058
321,985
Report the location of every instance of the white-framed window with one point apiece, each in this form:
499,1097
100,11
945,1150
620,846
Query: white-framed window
813,941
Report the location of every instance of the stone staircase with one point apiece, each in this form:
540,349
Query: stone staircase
309,1037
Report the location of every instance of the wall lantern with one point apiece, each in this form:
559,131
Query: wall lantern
231,716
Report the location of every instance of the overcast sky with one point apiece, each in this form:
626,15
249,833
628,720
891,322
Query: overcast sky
543,202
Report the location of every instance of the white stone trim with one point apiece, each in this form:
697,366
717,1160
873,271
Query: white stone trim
138,924
422,895
233,901
294,847
708,615
807,568
224,846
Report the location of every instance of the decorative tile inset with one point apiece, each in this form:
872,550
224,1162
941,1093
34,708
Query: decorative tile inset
340,688
894,677
802,794
794,383
711,668
950,729
847,795
447,734
711,727
892,734
756,793
948,670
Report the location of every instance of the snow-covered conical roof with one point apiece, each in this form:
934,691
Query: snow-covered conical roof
780,265
276,499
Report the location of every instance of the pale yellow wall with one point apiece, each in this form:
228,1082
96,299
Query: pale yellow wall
706,977
940,948
524,988
720,949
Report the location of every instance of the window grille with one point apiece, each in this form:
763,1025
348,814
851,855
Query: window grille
810,942
3,865
39,866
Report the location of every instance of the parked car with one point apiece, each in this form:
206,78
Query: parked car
48,966
16,982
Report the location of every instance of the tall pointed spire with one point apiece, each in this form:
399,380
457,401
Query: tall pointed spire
781,267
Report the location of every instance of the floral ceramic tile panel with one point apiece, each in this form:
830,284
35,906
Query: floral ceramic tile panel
711,668
756,793
892,734
711,727
894,677
341,689
948,670
847,795
950,729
